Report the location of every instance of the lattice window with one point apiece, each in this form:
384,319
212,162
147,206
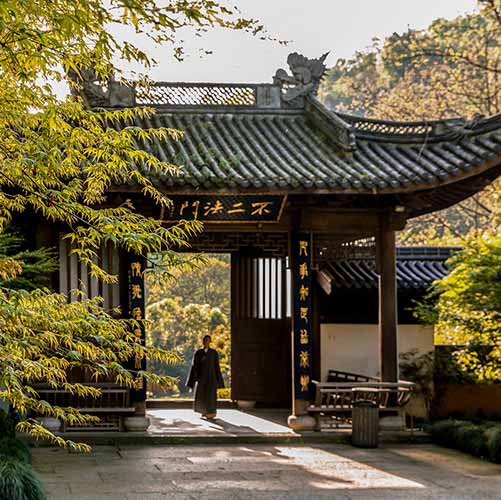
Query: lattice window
385,127
74,275
185,94
263,287
272,244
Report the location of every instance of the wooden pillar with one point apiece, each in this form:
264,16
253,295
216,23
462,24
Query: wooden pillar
316,332
387,329
301,253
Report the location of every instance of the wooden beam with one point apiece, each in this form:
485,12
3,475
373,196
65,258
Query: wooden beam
387,329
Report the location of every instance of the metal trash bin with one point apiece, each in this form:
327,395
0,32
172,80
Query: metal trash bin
365,424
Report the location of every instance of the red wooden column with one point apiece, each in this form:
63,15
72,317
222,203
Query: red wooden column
387,330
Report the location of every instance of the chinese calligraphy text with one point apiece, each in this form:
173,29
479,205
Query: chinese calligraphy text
226,208
136,312
301,269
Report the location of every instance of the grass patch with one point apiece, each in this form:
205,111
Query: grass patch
480,439
18,481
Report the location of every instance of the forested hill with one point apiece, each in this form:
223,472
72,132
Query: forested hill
450,69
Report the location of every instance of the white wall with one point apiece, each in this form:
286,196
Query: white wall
354,348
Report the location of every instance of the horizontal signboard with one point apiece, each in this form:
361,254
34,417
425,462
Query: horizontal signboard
225,208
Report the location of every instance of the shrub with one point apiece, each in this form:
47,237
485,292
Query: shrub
15,449
493,440
480,439
470,439
445,432
7,427
18,481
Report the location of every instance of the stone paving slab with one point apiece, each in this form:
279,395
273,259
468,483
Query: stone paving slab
396,472
228,422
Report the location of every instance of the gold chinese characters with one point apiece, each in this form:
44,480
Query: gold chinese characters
217,207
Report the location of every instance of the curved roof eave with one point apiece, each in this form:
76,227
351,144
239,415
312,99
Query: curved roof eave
265,143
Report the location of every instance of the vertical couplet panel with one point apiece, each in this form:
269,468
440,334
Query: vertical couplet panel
136,311
301,260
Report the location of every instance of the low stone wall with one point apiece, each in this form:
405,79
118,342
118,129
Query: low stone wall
469,400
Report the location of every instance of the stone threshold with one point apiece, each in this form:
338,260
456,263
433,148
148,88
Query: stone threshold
184,403
143,438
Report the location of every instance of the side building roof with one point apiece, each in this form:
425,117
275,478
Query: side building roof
416,267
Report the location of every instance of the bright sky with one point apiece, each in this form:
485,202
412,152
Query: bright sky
313,26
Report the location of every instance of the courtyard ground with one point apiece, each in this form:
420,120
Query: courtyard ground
265,472
229,422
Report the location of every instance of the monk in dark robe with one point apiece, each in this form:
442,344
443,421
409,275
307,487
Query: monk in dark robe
205,379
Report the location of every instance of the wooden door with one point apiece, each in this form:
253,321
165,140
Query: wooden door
260,331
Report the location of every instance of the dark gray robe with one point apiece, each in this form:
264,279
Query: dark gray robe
205,378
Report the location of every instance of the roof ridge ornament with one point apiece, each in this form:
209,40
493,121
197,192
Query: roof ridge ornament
86,85
98,93
304,79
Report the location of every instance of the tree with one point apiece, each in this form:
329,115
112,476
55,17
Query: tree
465,307
57,159
179,329
31,268
207,282
450,69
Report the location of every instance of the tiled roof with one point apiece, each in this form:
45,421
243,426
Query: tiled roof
417,267
312,149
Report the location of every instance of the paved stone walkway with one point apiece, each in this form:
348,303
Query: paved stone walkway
266,472
186,422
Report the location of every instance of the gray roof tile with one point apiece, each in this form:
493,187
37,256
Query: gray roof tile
285,150
417,267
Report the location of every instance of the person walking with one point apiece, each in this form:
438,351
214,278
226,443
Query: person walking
205,379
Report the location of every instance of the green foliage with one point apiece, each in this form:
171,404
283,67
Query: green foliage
224,393
18,481
447,369
7,427
450,68
493,439
35,265
462,435
14,448
470,439
206,283
58,160
480,439
42,337
465,307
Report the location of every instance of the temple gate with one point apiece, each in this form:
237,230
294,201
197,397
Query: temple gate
282,183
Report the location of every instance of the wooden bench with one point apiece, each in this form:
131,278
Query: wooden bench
334,400
111,406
